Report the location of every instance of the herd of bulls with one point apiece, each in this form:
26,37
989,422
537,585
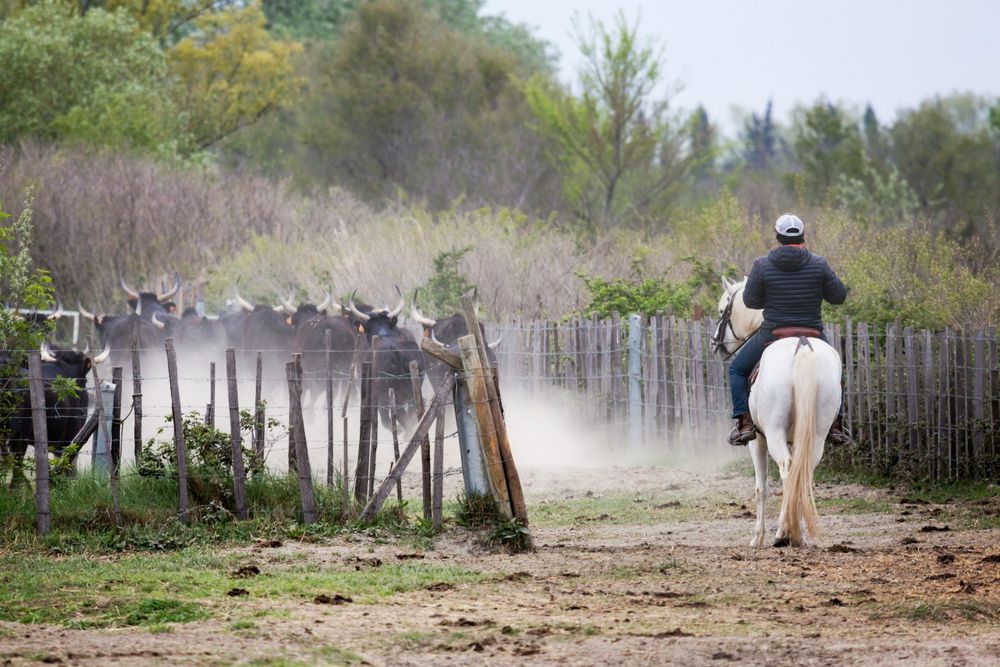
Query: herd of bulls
276,331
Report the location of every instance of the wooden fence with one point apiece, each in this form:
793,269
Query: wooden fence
921,403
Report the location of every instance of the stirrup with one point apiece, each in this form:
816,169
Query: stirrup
739,438
841,437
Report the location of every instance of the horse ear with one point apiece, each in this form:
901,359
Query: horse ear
726,285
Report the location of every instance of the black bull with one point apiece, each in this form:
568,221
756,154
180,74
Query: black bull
65,412
392,356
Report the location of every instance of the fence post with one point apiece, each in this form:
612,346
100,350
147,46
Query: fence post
293,372
437,518
258,411
361,471
136,397
328,344
425,443
99,455
634,376
395,443
37,395
178,418
373,420
116,439
210,408
236,435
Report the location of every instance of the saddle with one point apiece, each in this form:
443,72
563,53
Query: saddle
802,333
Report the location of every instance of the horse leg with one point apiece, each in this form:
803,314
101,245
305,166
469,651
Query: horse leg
758,451
779,452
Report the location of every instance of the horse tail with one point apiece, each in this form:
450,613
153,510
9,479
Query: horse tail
800,506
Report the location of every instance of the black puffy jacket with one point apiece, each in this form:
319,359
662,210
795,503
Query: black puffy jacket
790,284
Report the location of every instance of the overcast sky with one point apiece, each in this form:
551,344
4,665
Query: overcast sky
740,53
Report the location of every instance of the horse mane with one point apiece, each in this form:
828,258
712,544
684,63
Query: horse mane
745,321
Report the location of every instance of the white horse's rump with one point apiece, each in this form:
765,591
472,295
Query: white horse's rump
795,399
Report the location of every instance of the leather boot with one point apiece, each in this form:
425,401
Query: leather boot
838,435
743,432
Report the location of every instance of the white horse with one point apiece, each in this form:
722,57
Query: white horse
795,399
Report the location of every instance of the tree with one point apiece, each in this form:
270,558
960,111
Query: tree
826,145
614,135
945,150
231,72
760,140
97,78
307,20
401,103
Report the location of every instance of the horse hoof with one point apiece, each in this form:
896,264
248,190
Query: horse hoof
782,542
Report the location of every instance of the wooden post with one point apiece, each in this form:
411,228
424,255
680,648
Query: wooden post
438,468
912,418
395,443
293,419
373,419
518,506
345,481
293,371
327,345
425,444
43,517
258,411
361,470
978,403
634,380
116,441
136,396
178,419
210,408
236,436
441,394
929,416
103,423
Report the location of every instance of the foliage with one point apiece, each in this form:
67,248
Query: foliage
95,78
873,199
209,459
403,104
442,292
232,72
614,145
827,144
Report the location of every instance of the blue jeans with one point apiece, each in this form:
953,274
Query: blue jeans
743,364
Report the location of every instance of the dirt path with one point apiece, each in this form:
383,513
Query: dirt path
633,566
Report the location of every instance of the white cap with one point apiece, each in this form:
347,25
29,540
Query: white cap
789,225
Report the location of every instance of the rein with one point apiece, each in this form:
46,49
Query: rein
725,321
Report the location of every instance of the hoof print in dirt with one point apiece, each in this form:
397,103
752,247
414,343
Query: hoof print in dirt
237,592
909,540
841,549
527,649
781,542
940,577
440,586
935,529
945,559
335,599
364,562
269,544
722,655
246,571
409,556
966,587
992,558
834,602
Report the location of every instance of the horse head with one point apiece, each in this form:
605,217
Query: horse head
736,322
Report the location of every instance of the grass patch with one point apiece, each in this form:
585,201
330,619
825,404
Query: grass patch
943,612
855,505
621,509
181,586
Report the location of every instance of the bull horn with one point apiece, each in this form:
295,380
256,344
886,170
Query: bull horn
172,291
287,304
46,353
157,323
354,310
138,308
59,311
84,312
434,338
325,303
128,290
399,305
243,303
495,344
103,356
417,317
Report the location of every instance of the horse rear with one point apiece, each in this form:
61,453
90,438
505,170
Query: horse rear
796,398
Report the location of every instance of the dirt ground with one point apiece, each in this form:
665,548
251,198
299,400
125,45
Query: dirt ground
632,565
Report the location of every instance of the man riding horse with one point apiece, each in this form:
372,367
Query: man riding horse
790,283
